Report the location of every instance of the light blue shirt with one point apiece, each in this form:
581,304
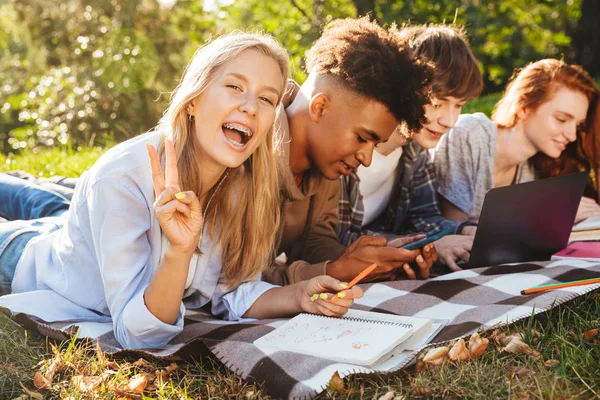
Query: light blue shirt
99,265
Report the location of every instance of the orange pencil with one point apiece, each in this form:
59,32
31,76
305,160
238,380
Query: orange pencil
553,286
358,278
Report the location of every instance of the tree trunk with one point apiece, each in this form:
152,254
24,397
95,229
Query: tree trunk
586,41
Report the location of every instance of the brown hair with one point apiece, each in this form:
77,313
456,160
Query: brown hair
446,48
376,63
245,212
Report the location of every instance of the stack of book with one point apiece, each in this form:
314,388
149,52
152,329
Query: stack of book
587,230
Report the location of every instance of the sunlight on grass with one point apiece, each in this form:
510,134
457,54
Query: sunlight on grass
572,374
50,162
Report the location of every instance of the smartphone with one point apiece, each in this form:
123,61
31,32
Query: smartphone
431,238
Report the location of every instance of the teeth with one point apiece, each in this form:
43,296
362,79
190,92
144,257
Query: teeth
238,127
233,142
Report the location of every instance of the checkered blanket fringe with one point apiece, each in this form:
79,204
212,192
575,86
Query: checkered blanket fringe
471,300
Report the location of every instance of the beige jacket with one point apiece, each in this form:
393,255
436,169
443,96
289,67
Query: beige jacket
310,215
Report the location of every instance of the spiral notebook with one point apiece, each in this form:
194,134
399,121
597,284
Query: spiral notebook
360,337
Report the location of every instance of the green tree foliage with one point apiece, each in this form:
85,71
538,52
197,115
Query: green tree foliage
504,34
84,70
79,71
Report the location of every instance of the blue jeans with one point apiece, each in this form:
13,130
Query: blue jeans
23,203
22,199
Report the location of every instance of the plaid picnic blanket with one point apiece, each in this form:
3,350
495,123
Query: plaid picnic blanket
469,299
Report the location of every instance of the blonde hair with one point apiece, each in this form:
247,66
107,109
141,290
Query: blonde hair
244,213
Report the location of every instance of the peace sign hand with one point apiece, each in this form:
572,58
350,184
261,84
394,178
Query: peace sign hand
179,213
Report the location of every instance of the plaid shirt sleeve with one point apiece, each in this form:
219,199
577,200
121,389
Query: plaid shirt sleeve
425,211
351,210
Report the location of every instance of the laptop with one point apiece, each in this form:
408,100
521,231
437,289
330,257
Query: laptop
527,221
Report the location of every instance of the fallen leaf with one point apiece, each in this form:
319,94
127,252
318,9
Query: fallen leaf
551,363
137,384
421,366
32,395
589,335
141,363
40,381
388,396
516,346
421,391
336,384
86,384
459,351
56,362
519,371
22,397
164,374
436,356
477,345
535,336
123,394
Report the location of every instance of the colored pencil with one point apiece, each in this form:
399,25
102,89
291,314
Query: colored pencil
358,278
560,285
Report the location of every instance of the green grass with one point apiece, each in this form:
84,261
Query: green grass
496,375
54,161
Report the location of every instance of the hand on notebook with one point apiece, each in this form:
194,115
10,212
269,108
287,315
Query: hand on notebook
390,261
587,208
452,248
316,294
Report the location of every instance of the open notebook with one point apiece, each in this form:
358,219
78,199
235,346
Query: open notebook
359,337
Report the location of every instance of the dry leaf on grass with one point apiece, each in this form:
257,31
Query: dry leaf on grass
514,344
421,391
590,335
551,363
40,381
123,394
336,384
459,351
477,345
535,336
436,356
86,384
103,360
143,364
56,363
388,396
519,370
32,395
22,397
165,373
137,384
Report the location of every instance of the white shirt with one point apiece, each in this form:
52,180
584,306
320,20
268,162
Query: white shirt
98,266
377,183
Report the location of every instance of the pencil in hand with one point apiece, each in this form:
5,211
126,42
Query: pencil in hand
354,281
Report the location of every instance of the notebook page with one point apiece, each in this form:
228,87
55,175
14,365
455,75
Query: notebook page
587,224
338,339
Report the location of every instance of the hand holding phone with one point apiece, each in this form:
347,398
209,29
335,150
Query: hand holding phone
429,239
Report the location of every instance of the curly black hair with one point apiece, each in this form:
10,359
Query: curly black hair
376,63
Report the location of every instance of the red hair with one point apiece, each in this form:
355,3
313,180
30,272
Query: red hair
535,84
